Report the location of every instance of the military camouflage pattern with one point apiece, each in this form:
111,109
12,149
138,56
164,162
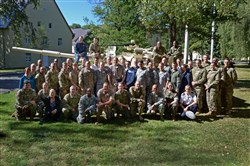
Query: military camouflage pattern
70,106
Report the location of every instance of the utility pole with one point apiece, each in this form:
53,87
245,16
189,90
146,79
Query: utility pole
213,32
186,45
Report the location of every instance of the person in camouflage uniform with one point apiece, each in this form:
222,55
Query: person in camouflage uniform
205,62
118,72
70,104
142,76
52,78
229,78
94,48
25,102
218,96
73,76
152,76
86,107
122,101
101,77
64,81
69,64
105,101
171,100
155,102
175,77
199,79
41,96
87,78
40,79
163,77
159,52
137,100
211,87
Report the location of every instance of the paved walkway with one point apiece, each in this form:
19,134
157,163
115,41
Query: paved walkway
9,81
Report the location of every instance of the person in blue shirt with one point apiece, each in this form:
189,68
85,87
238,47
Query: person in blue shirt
27,76
130,76
80,50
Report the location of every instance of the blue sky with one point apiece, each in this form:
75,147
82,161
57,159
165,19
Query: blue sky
75,10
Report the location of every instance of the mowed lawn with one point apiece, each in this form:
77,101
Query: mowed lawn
219,141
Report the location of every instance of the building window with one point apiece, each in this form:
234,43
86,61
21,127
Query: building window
39,23
27,40
45,40
59,41
28,57
50,25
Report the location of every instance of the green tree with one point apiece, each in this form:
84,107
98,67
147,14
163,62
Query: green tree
13,11
234,36
197,14
74,25
120,23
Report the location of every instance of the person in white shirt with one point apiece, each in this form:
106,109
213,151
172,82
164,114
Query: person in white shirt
188,101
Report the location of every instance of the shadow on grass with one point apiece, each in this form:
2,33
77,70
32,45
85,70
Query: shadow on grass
39,132
240,113
3,103
239,103
243,84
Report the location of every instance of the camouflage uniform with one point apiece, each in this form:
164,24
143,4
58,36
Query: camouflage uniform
213,79
176,79
52,79
40,79
206,65
124,98
153,77
199,76
87,79
64,82
229,78
73,76
171,102
25,97
86,106
94,48
118,73
159,52
104,96
156,99
70,106
41,96
101,77
163,79
137,100
143,78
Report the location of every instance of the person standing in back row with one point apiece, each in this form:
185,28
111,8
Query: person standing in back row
229,78
80,50
199,78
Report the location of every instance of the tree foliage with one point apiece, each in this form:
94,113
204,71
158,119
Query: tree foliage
13,11
197,14
120,23
235,36
74,26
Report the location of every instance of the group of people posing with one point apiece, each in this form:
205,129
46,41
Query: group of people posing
114,87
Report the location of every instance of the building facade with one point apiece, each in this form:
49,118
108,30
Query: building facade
52,33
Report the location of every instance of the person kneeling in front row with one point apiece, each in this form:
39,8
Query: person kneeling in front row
188,101
86,107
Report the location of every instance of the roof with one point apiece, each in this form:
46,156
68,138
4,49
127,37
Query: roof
79,32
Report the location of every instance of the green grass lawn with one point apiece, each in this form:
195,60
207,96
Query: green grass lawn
220,141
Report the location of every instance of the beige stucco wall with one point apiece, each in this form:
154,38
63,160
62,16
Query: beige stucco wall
47,13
